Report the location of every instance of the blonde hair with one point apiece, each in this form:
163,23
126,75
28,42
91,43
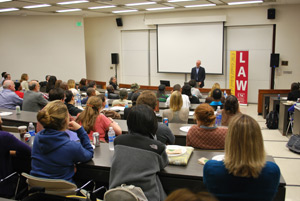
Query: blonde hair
244,148
24,77
186,194
205,114
54,115
89,115
215,86
176,101
71,83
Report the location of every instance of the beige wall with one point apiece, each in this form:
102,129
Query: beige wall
103,37
40,45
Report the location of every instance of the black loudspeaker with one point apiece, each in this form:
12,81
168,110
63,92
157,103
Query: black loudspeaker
271,13
274,60
119,22
114,58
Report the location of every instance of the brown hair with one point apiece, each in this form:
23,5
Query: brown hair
176,101
82,82
71,83
57,83
205,113
24,76
148,98
187,195
54,115
244,147
89,115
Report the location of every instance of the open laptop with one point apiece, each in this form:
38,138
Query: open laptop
165,82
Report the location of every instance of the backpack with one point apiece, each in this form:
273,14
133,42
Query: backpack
294,144
272,120
125,193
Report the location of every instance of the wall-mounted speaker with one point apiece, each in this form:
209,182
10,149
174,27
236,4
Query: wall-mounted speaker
119,22
274,60
114,58
271,13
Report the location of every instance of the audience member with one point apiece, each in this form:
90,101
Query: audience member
231,108
108,113
8,98
185,194
176,113
44,83
51,83
57,83
83,84
71,86
163,133
90,92
149,155
185,99
215,86
161,93
244,174
113,82
295,92
92,121
33,100
70,101
215,100
205,135
19,92
111,92
195,91
123,99
92,84
134,88
64,86
186,89
24,82
6,77
133,99
10,147
2,77
54,155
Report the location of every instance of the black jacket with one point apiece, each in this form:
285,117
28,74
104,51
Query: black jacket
200,77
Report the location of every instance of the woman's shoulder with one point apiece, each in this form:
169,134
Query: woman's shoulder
271,166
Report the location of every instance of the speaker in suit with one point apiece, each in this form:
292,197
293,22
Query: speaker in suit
198,74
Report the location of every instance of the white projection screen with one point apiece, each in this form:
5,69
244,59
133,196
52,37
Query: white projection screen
180,45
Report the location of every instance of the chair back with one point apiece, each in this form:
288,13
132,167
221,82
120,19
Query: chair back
11,129
52,186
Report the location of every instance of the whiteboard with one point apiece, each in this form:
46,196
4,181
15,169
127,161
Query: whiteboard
179,46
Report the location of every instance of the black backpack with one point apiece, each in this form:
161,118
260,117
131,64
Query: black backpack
272,120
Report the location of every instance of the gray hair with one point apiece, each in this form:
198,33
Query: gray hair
32,85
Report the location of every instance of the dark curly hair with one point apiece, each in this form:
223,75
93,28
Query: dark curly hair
231,105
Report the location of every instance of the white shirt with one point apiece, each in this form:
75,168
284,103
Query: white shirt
196,92
185,101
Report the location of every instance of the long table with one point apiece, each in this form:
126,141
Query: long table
172,177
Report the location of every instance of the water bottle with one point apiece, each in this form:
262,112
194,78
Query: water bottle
78,100
106,94
31,131
111,137
225,94
126,104
106,99
278,96
219,116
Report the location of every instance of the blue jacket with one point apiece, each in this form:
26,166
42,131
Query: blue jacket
54,154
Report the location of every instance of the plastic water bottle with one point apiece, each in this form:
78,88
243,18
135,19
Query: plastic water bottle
126,104
219,116
225,94
111,138
31,131
106,99
78,100
106,93
278,96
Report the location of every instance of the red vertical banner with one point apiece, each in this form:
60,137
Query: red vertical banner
241,76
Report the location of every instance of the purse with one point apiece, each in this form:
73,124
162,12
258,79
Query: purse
125,193
294,144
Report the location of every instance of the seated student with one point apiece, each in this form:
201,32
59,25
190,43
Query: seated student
93,85
24,82
185,194
185,99
186,89
51,83
70,101
10,147
123,99
149,155
111,92
133,99
216,98
134,88
231,108
163,133
161,93
83,84
205,135
54,155
113,82
57,83
244,174
195,91
210,93
90,92
8,98
71,86
176,113
92,121
64,86
295,92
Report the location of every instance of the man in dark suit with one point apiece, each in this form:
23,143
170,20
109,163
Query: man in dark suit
198,74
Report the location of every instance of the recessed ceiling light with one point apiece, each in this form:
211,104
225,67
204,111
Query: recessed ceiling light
37,6
101,7
8,9
1,1
140,4
162,8
201,5
68,10
244,2
72,2
124,11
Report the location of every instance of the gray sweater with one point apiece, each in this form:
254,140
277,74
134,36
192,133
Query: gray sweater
33,101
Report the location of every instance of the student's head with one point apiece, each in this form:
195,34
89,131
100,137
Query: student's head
176,101
231,105
123,94
215,86
134,98
186,89
192,83
134,87
113,80
24,77
34,86
92,84
162,88
7,76
177,87
91,92
56,94
3,73
205,114
54,116
217,94
185,194
110,89
148,98
9,84
103,99
83,82
294,86
52,80
71,84
64,86
142,120
69,96
244,147
58,83
47,77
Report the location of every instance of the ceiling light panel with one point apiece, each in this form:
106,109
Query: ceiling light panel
68,10
160,8
101,7
199,5
3,10
140,4
72,2
244,2
37,6
124,11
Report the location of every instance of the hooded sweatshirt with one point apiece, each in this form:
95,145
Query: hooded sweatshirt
54,154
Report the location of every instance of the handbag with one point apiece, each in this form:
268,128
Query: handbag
294,144
125,193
